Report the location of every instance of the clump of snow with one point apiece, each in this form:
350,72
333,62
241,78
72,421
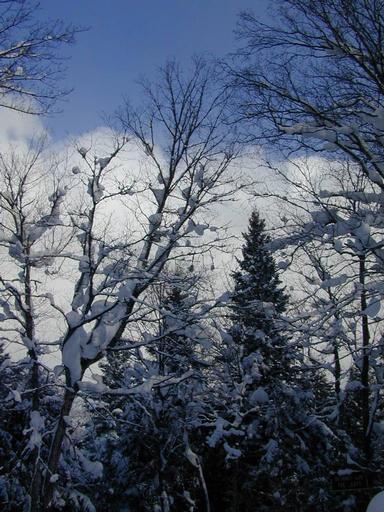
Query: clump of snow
271,449
73,318
93,468
377,503
83,152
200,228
375,176
186,192
336,281
199,176
197,228
95,189
321,217
58,370
338,245
48,221
225,297
192,457
259,396
345,472
218,433
126,290
159,194
362,233
14,395
103,162
93,387
36,423
232,453
373,308
155,220
72,353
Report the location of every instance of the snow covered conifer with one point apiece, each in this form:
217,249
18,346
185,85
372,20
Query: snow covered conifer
152,464
272,438
258,296
257,278
13,419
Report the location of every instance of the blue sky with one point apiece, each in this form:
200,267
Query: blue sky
128,39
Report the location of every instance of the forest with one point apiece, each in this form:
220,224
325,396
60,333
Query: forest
153,358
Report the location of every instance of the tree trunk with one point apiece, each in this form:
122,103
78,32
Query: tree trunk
338,384
365,363
204,487
55,451
34,383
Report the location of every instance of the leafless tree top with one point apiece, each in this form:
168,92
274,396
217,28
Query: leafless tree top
30,65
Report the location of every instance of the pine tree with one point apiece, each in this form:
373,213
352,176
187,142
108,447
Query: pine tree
177,350
270,433
15,468
257,301
150,465
257,278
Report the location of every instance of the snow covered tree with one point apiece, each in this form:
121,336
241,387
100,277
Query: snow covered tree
331,236
258,295
26,219
186,123
145,440
270,428
30,64
21,449
67,221
14,471
330,110
334,245
334,102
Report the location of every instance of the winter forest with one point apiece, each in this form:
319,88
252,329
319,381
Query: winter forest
156,356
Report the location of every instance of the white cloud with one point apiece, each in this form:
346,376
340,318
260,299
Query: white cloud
16,129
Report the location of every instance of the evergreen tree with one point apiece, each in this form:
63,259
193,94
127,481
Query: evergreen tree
277,449
257,301
150,465
257,279
13,419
